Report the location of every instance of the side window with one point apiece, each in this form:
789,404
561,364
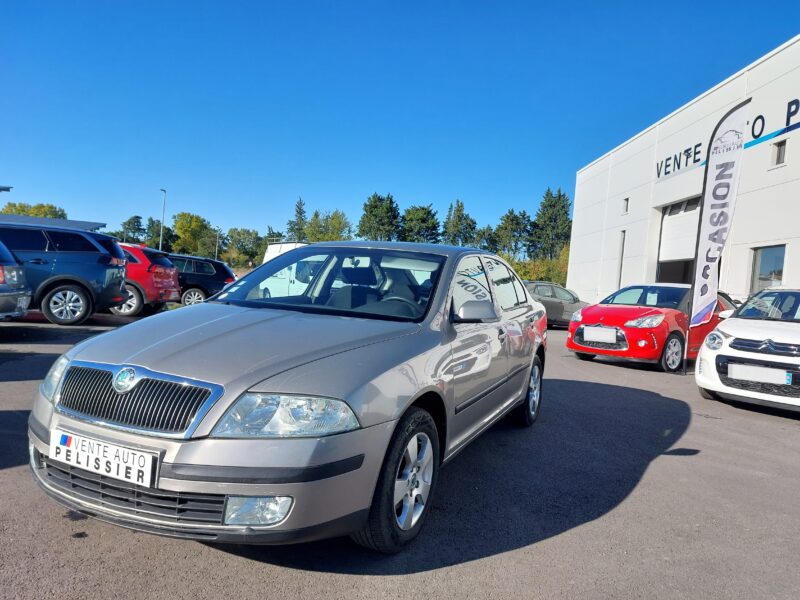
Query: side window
66,241
522,297
503,283
130,257
563,294
470,282
544,291
23,240
181,263
203,267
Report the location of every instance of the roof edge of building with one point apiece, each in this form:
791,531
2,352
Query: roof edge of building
739,73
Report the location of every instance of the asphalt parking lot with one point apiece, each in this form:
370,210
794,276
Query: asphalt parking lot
629,485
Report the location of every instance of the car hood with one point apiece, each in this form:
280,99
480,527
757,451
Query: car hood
234,346
757,329
615,315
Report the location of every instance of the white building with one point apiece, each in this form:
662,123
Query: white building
636,207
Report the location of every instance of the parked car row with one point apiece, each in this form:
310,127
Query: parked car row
70,274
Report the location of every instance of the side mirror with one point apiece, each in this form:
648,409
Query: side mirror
724,314
476,311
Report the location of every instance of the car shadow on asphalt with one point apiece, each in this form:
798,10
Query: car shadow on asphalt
13,438
24,366
515,487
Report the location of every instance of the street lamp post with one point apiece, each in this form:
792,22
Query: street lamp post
163,209
216,248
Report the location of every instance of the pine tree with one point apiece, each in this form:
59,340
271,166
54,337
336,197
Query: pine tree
419,224
296,227
459,228
552,227
380,220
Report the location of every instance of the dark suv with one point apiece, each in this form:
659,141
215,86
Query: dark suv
200,277
72,273
15,295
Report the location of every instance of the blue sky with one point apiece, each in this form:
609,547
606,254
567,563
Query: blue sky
238,108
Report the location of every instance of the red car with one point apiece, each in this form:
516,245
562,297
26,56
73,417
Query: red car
150,279
643,323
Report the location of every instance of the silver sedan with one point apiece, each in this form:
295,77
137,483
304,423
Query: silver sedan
317,396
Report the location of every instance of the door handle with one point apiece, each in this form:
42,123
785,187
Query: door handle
501,334
37,261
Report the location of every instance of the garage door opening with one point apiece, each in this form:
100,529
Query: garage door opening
675,271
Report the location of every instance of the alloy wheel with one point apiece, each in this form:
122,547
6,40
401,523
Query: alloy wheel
193,297
534,389
674,353
412,484
66,305
129,306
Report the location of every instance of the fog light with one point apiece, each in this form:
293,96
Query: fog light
256,510
642,343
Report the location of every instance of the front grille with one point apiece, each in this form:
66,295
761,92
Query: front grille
620,344
765,347
787,391
160,505
153,404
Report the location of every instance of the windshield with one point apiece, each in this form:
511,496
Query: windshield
649,295
772,305
359,282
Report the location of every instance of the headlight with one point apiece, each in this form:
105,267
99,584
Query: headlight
49,386
714,340
646,322
577,316
277,416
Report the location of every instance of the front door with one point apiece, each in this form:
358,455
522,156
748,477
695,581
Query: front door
479,364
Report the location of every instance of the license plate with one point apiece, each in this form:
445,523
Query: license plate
111,460
600,334
760,374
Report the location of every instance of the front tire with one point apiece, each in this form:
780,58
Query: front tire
132,306
193,296
67,305
528,411
672,356
405,485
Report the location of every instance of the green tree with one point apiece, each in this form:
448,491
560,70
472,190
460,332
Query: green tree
245,242
485,239
552,226
380,220
194,234
419,223
296,228
153,232
34,210
132,230
512,233
459,227
328,227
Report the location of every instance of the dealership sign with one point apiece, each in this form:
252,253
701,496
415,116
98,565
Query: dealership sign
723,166
687,158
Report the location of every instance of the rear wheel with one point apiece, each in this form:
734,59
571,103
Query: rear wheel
672,356
405,485
584,356
193,296
132,306
67,305
528,411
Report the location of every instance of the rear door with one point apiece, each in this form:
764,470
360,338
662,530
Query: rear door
569,303
32,248
552,305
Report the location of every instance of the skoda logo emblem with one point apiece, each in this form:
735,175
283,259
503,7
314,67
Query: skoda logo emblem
125,380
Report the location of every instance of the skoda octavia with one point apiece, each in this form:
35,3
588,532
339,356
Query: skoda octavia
274,414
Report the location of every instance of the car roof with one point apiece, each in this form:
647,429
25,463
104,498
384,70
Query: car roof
191,256
685,286
141,247
441,249
55,228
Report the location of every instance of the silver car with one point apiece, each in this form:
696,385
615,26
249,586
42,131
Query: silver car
273,414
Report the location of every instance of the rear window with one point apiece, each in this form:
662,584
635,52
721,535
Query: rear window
112,247
23,240
67,241
5,255
158,258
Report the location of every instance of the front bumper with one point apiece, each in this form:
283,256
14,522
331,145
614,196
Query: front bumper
708,376
331,497
14,304
642,345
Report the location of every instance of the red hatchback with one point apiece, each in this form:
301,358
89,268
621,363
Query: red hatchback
150,279
644,323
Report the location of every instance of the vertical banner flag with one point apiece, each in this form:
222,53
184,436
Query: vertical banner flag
723,166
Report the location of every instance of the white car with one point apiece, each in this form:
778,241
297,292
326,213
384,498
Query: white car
754,354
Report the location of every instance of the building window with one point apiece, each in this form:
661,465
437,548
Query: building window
625,204
779,153
767,267
692,204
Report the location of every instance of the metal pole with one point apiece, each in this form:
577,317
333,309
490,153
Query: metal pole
216,248
163,209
